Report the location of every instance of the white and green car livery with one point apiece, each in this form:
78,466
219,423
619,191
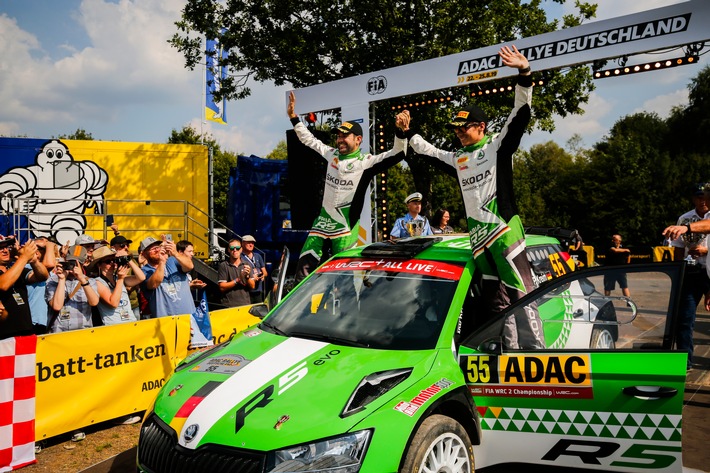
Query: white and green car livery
379,362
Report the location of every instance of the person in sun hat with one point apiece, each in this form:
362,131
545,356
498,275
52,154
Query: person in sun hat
70,293
484,166
113,283
413,223
347,164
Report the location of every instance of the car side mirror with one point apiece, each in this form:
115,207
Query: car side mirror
493,346
259,310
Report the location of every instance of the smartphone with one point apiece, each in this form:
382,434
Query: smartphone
169,236
109,220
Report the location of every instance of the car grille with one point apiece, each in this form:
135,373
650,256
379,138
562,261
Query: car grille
158,452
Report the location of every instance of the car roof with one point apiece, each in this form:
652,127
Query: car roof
450,247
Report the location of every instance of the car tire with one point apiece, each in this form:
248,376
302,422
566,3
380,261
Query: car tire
602,339
440,444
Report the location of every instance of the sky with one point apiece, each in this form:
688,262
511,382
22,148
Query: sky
106,67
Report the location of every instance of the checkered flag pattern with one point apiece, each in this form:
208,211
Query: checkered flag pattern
17,402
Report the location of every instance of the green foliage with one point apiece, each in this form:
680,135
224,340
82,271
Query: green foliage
222,163
319,41
399,186
79,134
280,152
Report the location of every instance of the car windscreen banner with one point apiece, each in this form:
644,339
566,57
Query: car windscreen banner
438,269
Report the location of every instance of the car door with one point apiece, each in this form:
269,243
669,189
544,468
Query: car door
614,408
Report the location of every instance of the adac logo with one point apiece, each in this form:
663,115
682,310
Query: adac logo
191,432
376,85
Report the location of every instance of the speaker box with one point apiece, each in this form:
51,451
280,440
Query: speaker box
306,179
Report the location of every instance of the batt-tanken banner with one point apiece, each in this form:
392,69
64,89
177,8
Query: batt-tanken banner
89,376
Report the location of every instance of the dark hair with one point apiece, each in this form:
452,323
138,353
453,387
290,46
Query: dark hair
436,219
182,245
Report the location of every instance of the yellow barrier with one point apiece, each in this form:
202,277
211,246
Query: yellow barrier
94,375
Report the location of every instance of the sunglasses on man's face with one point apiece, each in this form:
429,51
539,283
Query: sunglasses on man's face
232,248
122,245
466,126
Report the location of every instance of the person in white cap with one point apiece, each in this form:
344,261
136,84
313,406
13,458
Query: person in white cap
413,223
258,268
346,165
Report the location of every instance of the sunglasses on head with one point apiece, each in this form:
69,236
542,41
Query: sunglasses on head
232,248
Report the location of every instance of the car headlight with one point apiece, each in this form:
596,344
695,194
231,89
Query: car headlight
342,454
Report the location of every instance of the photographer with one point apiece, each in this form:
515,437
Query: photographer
70,294
167,285
16,319
113,283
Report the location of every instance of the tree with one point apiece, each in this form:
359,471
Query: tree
280,152
222,163
541,179
79,134
630,185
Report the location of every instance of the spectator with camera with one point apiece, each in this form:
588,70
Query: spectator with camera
70,293
187,249
47,254
258,268
167,286
113,283
15,318
121,245
235,277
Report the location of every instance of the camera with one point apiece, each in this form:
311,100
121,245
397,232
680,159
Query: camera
123,260
68,265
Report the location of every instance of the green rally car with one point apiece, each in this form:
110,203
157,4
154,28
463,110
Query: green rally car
380,362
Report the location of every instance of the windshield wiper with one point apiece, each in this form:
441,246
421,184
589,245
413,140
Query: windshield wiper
273,329
330,338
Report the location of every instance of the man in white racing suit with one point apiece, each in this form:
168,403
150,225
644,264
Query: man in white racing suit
484,167
346,166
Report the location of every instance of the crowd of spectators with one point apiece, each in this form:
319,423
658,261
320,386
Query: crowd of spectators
46,287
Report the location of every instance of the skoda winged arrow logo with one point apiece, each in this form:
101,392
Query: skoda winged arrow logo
191,432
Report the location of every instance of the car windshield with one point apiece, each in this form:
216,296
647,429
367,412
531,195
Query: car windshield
395,305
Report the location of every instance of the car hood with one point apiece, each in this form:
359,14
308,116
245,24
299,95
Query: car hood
263,391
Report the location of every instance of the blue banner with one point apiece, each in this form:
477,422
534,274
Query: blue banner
215,111
201,328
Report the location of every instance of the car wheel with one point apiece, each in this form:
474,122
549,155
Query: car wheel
602,339
440,445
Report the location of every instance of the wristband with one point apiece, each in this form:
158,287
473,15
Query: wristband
524,70
85,284
687,225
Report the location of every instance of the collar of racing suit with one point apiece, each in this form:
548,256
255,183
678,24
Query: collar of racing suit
479,145
355,154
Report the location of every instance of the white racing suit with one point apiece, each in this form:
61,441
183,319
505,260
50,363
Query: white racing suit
485,174
341,181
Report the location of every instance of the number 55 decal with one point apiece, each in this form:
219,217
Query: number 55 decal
478,369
